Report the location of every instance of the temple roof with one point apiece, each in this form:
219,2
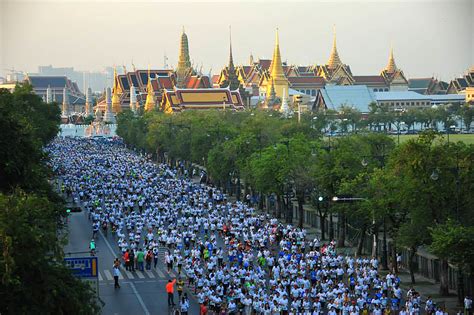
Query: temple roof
358,96
419,83
45,81
314,80
180,99
195,82
369,79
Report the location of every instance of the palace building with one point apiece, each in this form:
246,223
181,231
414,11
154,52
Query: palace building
171,90
263,78
178,100
459,85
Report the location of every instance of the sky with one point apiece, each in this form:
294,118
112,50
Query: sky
429,38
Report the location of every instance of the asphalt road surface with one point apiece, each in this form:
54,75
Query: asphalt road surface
140,292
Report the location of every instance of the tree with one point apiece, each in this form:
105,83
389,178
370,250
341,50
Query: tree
34,278
467,114
27,124
453,242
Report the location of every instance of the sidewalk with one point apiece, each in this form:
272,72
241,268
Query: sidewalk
426,288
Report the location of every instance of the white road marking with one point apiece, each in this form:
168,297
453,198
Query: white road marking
108,275
160,273
140,275
129,274
150,274
114,254
100,277
139,298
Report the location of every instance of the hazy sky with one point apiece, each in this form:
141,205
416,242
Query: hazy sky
428,37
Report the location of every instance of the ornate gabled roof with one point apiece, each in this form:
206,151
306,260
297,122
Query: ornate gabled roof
215,78
334,60
264,64
369,79
197,82
309,81
181,99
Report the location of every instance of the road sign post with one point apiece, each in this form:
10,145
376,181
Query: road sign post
84,268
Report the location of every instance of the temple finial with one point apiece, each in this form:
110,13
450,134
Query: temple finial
276,69
231,59
391,66
334,59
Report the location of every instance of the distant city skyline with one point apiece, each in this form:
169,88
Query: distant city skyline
428,37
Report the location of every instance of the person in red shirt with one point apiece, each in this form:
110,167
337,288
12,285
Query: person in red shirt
126,260
203,309
170,291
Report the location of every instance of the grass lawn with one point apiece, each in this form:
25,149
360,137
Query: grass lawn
468,139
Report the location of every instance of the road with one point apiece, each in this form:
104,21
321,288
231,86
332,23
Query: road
140,292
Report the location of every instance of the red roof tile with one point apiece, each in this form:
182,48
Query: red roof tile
369,79
205,82
166,82
306,80
265,63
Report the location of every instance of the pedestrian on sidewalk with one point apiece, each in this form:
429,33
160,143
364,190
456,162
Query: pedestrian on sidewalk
170,291
116,272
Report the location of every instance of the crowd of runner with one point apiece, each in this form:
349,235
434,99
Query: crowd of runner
229,256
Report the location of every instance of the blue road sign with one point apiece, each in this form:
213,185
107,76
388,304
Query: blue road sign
83,267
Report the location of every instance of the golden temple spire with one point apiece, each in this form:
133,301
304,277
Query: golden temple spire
150,96
184,62
116,91
334,59
276,68
231,59
391,66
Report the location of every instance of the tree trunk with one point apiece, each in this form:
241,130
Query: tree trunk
331,228
322,221
443,277
411,264
260,201
360,245
394,257
238,189
341,227
278,207
460,286
300,211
